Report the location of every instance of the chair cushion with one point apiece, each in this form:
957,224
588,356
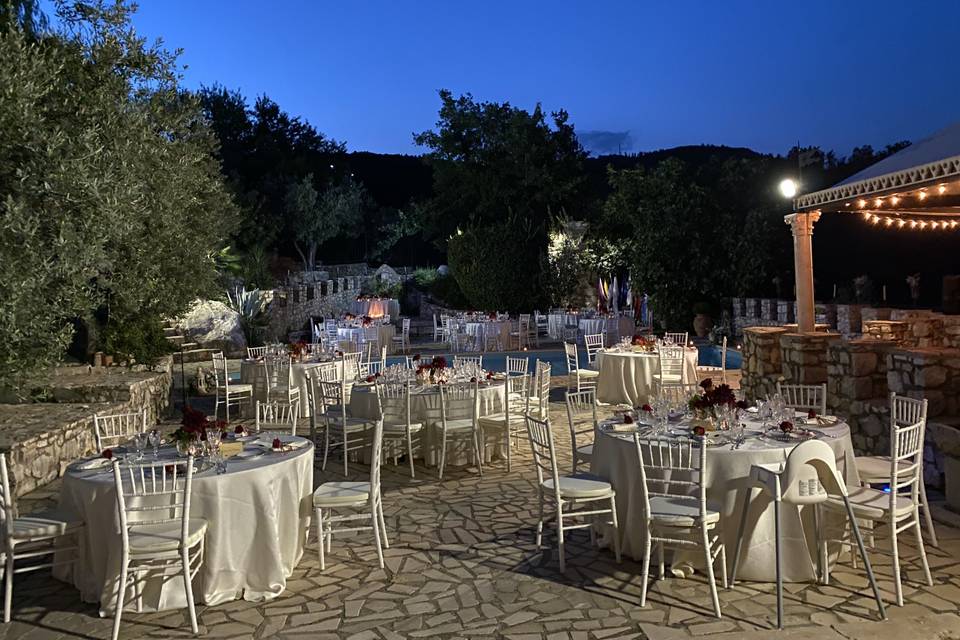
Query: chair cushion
585,452
401,427
240,388
331,494
45,524
679,511
498,420
165,536
877,468
581,485
871,503
456,425
587,373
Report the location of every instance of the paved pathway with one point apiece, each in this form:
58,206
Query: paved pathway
462,564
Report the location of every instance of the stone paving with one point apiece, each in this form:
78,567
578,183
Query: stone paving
462,564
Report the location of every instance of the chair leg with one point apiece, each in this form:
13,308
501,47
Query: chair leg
188,589
477,437
320,540
777,543
616,528
383,524
723,564
121,592
326,446
927,516
346,451
894,549
708,556
443,453
662,565
647,544
743,524
866,560
375,518
560,549
509,448
8,586
920,547
410,453
540,522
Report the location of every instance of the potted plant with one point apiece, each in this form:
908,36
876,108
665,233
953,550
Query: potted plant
702,322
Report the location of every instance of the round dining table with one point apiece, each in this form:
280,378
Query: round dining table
258,519
619,326
479,331
615,458
425,409
626,376
385,334
253,371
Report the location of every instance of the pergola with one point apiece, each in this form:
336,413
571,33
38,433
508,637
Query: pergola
914,190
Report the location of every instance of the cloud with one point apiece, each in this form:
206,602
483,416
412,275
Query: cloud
606,142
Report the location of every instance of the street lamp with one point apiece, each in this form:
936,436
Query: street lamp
788,188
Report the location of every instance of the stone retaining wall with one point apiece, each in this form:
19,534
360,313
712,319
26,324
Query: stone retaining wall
761,361
41,439
294,306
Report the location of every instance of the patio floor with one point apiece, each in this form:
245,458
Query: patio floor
462,564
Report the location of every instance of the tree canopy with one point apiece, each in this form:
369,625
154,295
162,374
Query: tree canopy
111,200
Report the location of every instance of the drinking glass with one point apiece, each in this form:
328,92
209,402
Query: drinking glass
139,444
153,438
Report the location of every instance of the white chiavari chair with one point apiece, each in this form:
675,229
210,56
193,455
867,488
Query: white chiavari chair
453,334
678,338
804,397
898,508
677,393
578,379
565,493
509,422
31,537
158,536
256,352
712,371
340,429
876,469
459,398
227,392
370,338
517,366
538,403
439,330
402,341
593,343
349,363
671,366
459,361
491,337
277,415
582,417
808,479
366,496
112,430
674,505
279,377
331,334
399,429
314,375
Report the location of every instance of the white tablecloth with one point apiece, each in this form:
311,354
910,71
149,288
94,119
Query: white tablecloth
425,408
627,377
615,459
376,307
477,330
619,325
258,519
253,372
385,333
557,321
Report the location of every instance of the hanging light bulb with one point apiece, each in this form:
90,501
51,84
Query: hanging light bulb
934,224
894,200
922,195
953,224
888,221
923,224
876,219
942,189
913,224
878,202
861,203
901,223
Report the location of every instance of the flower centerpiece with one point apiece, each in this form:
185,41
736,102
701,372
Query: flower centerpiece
433,372
640,343
707,405
366,321
297,350
193,429
492,316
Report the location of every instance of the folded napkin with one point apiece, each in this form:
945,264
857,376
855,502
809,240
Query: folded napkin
623,427
94,463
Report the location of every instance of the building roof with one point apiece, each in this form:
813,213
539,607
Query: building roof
933,160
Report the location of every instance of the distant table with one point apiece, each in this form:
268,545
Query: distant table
480,330
376,307
627,376
620,326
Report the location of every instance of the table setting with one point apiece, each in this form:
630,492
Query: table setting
737,437
253,489
627,370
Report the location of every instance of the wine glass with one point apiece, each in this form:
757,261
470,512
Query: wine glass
153,438
139,444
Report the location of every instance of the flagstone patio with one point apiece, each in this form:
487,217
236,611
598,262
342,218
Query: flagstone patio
462,564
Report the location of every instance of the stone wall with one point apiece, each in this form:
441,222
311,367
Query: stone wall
41,439
857,390
761,361
803,356
294,306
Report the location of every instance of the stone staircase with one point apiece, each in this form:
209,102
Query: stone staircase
186,351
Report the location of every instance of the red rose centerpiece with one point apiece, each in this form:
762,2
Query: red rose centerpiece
193,429
699,431
812,415
647,408
107,453
627,418
786,426
277,445
706,404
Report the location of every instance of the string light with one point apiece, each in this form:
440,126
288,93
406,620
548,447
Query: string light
922,195
861,203
894,200
878,202
889,220
942,189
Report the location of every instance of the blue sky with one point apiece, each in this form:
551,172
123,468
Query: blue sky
760,74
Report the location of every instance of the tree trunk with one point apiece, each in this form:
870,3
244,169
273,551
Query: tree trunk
303,258
312,256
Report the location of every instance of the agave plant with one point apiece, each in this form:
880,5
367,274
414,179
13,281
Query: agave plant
252,306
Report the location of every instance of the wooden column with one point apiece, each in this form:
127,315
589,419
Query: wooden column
802,226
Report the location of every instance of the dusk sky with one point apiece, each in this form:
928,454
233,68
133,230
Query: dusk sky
634,75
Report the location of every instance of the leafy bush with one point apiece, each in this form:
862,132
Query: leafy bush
252,306
424,278
137,338
447,290
498,266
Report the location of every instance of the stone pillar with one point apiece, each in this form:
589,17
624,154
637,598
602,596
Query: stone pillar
802,226
849,321
761,361
857,390
804,356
